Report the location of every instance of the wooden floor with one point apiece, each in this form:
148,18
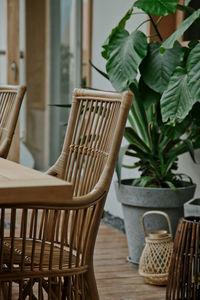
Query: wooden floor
116,278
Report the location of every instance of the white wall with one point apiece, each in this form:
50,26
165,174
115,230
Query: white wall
187,166
106,15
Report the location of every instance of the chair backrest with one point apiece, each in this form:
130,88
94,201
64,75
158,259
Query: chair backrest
10,102
92,141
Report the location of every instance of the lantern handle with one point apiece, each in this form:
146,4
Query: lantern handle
158,212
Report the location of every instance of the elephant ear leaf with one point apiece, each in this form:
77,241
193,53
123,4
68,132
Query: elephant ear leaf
193,68
187,2
183,90
176,100
127,54
168,43
118,165
157,67
157,7
107,46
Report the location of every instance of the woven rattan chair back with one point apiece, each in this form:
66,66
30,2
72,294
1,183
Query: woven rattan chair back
10,102
50,251
89,139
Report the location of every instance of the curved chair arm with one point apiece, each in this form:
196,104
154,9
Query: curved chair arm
5,146
51,172
75,203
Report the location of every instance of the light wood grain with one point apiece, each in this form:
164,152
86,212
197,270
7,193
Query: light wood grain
13,55
116,277
35,54
19,184
12,52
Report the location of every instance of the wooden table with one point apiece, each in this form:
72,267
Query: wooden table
20,184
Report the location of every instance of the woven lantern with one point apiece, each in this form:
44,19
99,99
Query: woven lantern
184,273
156,256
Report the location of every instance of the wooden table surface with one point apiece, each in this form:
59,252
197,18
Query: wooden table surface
20,184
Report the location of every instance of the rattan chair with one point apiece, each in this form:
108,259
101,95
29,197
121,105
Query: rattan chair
49,249
10,102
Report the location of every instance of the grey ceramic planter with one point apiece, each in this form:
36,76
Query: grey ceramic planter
192,208
137,200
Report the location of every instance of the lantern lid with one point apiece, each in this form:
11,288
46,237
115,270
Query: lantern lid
158,234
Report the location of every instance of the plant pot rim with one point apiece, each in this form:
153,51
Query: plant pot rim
186,184
153,197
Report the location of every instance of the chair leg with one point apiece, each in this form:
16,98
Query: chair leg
91,285
3,290
66,292
27,289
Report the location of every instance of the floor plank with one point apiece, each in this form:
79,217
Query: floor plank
116,278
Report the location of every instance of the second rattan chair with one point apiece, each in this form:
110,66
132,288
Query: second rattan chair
10,102
51,253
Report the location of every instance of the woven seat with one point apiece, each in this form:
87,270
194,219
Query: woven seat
10,102
48,250
35,260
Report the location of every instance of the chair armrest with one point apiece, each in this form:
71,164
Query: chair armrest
73,203
51,172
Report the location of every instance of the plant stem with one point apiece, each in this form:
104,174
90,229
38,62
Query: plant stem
155,27
142,23
158,21
139,13
152,35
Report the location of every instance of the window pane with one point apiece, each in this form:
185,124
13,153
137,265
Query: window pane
193,33
65,62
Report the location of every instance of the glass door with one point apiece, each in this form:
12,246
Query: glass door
11,41
65,65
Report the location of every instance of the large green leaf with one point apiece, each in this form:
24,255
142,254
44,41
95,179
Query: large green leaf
99,71
176,101
157,7
138,124
139,114
168,43
187,2
148,96
186,9
118,166
124,60
108,45
193,68
177,130
157,67
132,137
183,90
190,148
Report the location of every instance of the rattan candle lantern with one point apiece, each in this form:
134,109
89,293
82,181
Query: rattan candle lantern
156,256
184,273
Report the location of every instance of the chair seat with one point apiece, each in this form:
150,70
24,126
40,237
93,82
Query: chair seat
50,260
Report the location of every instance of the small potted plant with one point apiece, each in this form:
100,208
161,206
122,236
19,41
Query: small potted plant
164,120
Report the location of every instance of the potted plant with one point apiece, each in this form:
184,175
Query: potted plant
164,120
